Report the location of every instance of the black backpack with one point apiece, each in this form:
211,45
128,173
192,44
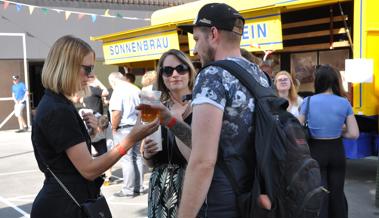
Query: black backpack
284,169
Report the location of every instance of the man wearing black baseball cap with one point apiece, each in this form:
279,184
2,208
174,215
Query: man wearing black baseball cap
222,110
220,19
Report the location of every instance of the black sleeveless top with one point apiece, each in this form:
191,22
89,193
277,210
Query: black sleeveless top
170,152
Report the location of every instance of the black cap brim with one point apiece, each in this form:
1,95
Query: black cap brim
187,28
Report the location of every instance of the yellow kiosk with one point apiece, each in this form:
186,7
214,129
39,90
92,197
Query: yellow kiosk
300,34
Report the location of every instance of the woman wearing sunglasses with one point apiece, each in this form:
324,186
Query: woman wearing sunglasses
60,139
175,81
285,88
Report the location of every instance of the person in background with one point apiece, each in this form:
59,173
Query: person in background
122,105
60,139
94,100
112,80
286,89
131,78
148,80
250,57
266,67
221,118
330,117
175,80
104,133
19,96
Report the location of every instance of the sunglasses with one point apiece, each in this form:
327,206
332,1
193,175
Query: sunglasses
168,71
87,69
283,80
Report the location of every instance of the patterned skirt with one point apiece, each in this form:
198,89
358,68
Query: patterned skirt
165,191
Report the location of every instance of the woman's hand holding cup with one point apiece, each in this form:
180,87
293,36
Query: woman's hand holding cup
140,131
150,148
164,114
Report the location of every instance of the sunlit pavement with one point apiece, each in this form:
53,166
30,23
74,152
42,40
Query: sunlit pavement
21,180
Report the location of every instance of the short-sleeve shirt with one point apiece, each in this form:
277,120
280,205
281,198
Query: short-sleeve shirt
57,126
294,109
327,114
19,90
94,101
125,98
221,89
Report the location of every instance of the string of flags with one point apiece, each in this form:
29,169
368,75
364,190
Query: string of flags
67,14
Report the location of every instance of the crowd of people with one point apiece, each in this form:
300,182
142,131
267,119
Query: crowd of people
204,117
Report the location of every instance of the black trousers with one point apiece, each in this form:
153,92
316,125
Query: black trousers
330,154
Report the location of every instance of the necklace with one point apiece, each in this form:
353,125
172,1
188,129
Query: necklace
175,100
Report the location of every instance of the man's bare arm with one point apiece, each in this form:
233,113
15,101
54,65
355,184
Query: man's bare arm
207,123
183,132
115,119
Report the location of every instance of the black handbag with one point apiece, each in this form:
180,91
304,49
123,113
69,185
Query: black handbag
91,208
305,125
96,208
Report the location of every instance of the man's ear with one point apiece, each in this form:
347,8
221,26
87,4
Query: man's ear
214,34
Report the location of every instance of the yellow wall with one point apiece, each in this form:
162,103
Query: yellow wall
366,45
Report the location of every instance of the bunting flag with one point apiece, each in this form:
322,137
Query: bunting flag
106,13
31,9
18,7
67,14
80,16
45,10
93,17
119,15
58,10
6,4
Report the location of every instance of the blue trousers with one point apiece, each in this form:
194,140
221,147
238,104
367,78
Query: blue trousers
132,165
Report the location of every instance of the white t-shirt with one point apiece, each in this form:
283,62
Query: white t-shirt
294,109
125,98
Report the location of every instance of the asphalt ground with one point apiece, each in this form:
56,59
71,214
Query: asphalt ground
20,181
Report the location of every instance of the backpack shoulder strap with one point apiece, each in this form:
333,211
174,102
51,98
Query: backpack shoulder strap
257,90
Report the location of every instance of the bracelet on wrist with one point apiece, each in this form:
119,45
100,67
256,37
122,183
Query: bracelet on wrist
143,155
121,150
171,122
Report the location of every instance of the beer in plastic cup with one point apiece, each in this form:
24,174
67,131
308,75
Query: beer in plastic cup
157,137
149,97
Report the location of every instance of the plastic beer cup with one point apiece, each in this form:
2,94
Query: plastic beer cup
149,97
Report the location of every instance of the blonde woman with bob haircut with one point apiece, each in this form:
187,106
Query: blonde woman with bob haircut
285,88
60,138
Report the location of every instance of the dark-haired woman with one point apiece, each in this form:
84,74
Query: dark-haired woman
175,81
330,118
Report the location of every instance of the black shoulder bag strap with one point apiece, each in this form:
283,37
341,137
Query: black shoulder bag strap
257,91
307,112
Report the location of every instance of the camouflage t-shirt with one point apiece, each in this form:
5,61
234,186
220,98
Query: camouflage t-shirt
218,87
